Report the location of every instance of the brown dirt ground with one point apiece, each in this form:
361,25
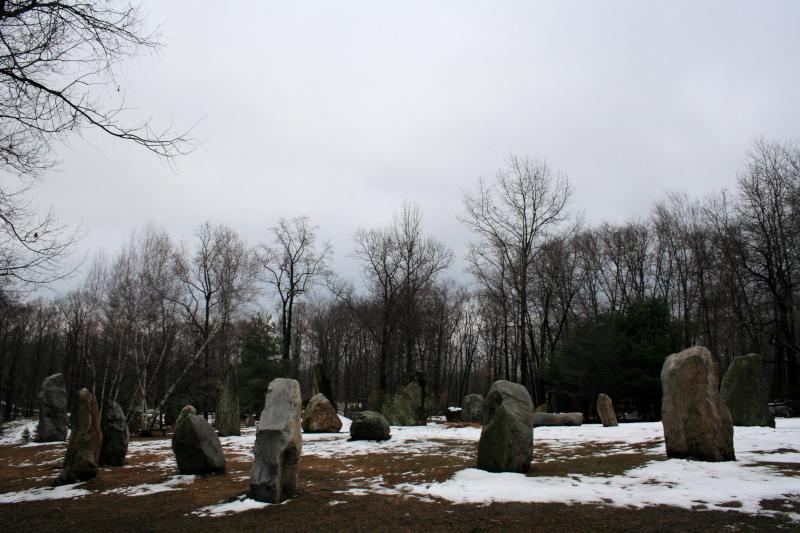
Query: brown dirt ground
321,479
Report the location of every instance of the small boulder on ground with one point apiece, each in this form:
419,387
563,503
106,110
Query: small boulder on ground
506,443
196,446
557,419
697,423
472,408
279,443
605,410
746,392
369,425
320,416
114,427
83,450
52,409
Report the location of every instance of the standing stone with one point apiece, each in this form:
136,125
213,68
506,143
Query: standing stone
279,443
320,416
115,436
83,450
453,414
506,443
249,421
746,392
407,406
369,425
53,409
196,446
605,410
472,408
557,419
228,422
697,423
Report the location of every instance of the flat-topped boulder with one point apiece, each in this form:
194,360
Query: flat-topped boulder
53,421
369,425
697,423
746,392
83,450
557,419
506,443
279,443
320,416
196,446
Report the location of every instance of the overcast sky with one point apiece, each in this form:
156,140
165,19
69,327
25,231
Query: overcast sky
343,110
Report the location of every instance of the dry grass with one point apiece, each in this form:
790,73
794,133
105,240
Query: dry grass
326,479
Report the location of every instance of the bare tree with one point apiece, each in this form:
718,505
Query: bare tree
217,279
291,265
57,59
514,216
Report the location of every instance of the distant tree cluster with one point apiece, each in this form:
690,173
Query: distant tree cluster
567,310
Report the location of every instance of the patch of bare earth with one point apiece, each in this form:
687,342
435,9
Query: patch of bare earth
332,480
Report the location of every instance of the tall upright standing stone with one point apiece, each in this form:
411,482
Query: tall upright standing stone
83,450
506,443
697,423
228,422
53,409
279,443
605,410
746,392
114,427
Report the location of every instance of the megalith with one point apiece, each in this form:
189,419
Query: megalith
196,446
605,410
369,425
52,409
279,443
506,442
83,450
557,419
697,423
114,445
472,408
406,407
746,392
320,416
227,414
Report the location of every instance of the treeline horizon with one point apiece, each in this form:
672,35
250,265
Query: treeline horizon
567,309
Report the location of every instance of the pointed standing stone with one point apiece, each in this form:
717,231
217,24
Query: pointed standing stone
83,450
320,416
115,436
53,409
279,443
605,410
697,423
228,422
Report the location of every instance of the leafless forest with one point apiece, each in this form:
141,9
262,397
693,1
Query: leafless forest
567,309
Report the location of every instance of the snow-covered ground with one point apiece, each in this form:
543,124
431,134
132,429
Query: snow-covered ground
766,468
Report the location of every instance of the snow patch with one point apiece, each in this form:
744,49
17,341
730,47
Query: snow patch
171,483
44,493
239,505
